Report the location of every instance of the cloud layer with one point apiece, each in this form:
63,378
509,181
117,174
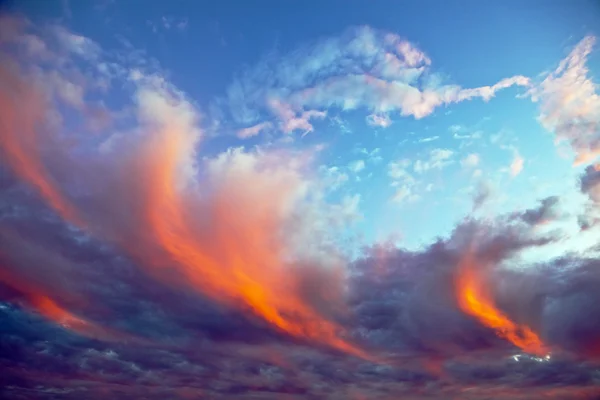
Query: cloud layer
132,264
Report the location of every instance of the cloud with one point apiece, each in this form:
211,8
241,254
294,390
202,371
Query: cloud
18,259
381,120
402,181
334,178
253,130
569,103
470,161
455,128
474,135
150,269
21,141
438,159
544,213
373,156
590,183
473,297
340,123
77,44
483,193
428,139
566,322
393,289
198,235
146,201
167,23
397,170
356,166
404,193
290,121
516,165
364,68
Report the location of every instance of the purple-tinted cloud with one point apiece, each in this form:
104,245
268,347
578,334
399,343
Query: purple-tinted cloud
132,267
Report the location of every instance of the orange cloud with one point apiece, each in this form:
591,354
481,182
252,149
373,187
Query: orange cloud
474,298
42,302
23,113
227,242
240,259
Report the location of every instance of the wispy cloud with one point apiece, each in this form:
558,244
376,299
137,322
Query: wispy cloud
404,194
402,181
570,104
334,178
253,130
470,161
516,166
397,170
381,120
517,161
339,122
167,23
356,166
438,159
320,76
290,120
428,139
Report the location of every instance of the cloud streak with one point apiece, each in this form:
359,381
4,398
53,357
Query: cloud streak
364,68
20,138
474,299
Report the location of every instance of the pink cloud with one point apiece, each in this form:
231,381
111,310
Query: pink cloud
382,120
570,105
254,130
516,166
244,229
290,120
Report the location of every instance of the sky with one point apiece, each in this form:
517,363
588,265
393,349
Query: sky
299,200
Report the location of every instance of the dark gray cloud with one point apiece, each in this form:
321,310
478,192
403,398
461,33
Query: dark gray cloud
482,194
545,212
590,183
403,307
